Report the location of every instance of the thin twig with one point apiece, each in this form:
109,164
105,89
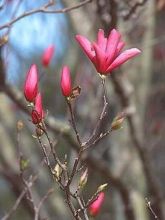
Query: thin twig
101,117
84,209
44,9
19,199
134,9
151,209
37,209
45,154
55,156
74,123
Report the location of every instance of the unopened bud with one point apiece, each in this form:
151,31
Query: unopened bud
24,163
57,171
39,132
102,187
3,40
83,179
19,125
117,123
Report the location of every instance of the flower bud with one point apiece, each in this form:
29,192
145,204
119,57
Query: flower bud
47,55
31,84
37,113
39,132
20,125
24,163
117,122
102,187
83,179
95,207
57,171
66,82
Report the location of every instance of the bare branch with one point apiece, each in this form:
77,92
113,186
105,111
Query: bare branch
134,9
37,209
44,9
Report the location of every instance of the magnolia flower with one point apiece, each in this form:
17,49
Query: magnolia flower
105,53
47,55
66,81
37,113
95,207
31,84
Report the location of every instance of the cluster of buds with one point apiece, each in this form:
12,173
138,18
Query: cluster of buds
106,55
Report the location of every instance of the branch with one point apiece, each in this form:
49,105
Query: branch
134,9
152,183
37,209
97,164
44,9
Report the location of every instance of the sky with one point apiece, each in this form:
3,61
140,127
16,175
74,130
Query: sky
31,35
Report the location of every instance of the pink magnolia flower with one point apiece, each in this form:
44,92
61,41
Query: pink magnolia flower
66,81
31,84
37,113
95,207
105,53
47,55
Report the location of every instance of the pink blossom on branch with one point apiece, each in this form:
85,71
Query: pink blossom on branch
105,53
31,84
47,55
95,207
37,113
66,87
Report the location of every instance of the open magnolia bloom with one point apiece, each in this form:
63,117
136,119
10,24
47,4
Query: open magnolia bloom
106,53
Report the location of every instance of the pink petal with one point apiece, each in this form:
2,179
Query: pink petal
99,59
123,57
112,44
86,46
120,46
101,40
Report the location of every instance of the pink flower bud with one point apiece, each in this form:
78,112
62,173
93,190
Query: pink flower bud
95,207
37,113
47,55
31,84
66,82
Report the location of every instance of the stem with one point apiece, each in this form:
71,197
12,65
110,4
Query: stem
74,123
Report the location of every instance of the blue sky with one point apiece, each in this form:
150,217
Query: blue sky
31,35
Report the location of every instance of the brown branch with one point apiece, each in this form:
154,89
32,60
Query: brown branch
44,9
134,9
93,161
152,183
37,209
21,196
